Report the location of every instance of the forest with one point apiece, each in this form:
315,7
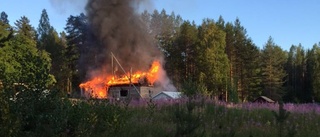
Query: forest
41,69
217,58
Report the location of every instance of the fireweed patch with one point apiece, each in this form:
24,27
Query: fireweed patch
184,117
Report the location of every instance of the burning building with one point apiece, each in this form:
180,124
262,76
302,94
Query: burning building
130,91
128,85
116,27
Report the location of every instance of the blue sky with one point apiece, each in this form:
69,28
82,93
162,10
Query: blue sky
287,21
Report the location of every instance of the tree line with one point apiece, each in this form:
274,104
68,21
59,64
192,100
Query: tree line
215,58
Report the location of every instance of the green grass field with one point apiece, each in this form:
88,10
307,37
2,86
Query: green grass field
196,118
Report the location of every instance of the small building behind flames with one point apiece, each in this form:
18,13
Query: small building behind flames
167,95
132,91
263,99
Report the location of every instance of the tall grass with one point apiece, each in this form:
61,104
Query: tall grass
185,117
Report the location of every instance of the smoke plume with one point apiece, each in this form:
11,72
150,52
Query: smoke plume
116,26
68,6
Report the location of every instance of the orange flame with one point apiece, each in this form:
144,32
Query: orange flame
98,86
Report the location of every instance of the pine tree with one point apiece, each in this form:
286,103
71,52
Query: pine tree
24,29
156,23
146,18
6,31
244,58
185,52
231,53
300,74
251,75
165,29
273,60
239,68
4,18
213,62
48,40
313,73
43,30
76,30
290,70
296,79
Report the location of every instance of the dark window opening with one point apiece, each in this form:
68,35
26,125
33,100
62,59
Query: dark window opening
123,93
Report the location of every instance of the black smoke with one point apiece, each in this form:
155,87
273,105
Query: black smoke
116,26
